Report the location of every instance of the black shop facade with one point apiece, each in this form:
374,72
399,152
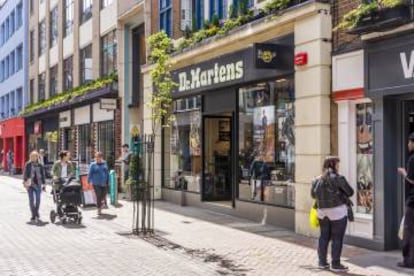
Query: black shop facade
231,144
389,83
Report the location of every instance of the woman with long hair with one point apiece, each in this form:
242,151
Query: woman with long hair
331,192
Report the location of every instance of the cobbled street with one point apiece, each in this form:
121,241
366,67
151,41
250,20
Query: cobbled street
189,241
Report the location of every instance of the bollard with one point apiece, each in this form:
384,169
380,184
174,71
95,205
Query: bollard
113,193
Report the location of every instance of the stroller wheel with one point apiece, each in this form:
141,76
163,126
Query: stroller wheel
64,220
52,216
79,220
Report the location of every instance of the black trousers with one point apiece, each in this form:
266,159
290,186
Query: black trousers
408,237
100,192
334,232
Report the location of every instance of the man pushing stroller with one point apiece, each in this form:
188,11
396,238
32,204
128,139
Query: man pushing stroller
62,170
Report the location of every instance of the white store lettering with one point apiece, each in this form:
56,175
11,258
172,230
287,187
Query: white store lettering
408,67
216,75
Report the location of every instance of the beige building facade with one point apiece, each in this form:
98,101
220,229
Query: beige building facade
236,119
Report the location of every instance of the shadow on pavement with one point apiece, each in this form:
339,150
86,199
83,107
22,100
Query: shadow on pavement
106,217
39,224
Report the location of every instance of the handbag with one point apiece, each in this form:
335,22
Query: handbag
313,217
27,183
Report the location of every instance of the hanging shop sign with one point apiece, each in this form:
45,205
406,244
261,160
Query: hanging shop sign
108,104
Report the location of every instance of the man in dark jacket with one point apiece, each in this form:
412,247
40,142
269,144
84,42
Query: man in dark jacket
408,236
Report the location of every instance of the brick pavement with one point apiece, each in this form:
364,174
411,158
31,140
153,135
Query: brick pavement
191,241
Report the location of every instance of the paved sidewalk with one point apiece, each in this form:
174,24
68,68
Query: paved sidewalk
190,241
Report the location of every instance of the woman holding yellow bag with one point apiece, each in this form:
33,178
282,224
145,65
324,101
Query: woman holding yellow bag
331,192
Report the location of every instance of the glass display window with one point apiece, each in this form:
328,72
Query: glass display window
267,142
182,155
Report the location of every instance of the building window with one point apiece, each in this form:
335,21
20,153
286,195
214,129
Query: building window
32,45
86,64
68,21
165,16
106,141
19,15
68,73
267,142
84,144
182,160
12,21
19,99
42,37
42,87
31,91
106,3
7,68
108,53
12,63
19,56
31,6
53,80
53,36
365,153
217,8
86,10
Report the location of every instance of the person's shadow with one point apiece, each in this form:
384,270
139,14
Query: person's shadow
40,223
106,217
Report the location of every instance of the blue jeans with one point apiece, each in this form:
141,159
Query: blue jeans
34,200
331,231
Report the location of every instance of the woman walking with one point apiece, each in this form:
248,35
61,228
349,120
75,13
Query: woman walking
98,177
34,180
331,192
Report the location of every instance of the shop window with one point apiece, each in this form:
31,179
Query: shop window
365,153
51,143
182,155
106,142
108,53
267,142
68,140
85,144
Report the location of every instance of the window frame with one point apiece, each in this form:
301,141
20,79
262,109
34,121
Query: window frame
106,40
53,27
106,3
42,37
68,17
82,64
85,10
53,80
165,16
41,92
67,72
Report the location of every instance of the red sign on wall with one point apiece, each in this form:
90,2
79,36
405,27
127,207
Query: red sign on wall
301,58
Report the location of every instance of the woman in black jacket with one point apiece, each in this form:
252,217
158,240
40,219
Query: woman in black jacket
331,192
34,181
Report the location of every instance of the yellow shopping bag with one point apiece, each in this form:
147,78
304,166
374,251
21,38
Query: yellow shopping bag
313,218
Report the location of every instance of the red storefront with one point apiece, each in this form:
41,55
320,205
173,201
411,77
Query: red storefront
12,136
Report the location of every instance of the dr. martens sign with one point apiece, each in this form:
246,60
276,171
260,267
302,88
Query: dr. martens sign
218,73
256,63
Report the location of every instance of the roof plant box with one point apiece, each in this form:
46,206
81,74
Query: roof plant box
375,16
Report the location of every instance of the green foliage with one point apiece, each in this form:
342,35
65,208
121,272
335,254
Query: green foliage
161,100
187,32
206,24
243,7
276,5
71,94
215,20
353,17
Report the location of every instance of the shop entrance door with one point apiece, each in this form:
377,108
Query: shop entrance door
408,129
217,156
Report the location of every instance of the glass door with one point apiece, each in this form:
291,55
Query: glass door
217,154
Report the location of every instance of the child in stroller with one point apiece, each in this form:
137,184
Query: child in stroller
67,200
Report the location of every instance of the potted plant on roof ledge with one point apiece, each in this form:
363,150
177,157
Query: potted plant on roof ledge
375,15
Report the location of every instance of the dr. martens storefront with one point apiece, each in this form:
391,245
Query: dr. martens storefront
389,82
250,128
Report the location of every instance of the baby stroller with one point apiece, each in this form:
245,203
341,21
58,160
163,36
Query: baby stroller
67,201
